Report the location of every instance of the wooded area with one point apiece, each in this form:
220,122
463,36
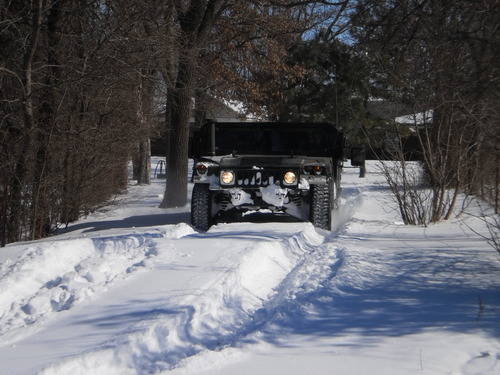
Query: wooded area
439,57
81,82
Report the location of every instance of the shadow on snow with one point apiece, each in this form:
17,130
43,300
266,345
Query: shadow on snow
422,294
138,221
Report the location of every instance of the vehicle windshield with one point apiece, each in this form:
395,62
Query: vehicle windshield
273,140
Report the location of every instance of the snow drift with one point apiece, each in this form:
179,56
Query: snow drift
53,276
254,279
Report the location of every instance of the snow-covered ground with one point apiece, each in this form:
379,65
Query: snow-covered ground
133,289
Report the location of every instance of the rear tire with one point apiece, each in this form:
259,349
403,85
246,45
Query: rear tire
320,211
201,207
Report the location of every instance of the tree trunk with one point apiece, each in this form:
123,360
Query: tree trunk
135,163
3,214
141,159
195,23
19,179
42,191
40,222
142,162
180,103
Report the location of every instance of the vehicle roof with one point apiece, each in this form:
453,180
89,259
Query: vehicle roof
272,123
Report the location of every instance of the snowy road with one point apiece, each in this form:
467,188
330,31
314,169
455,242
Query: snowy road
171,298
128,291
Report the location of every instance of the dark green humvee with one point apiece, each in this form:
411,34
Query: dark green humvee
291,168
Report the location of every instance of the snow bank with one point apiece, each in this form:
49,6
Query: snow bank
234,304
49,277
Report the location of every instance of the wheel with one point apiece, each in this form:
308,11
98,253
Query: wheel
201,207
320,212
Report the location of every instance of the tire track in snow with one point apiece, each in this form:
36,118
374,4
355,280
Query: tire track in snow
239,301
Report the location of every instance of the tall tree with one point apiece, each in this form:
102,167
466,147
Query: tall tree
243,33
333,87
441,56
191,21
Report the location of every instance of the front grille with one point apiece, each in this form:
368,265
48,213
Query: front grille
257,177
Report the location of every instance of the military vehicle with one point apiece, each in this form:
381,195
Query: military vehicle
287,168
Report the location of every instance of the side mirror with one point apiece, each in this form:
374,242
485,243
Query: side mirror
358,156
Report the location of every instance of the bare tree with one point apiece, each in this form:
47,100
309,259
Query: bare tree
66,112
191,22
439,57
490,220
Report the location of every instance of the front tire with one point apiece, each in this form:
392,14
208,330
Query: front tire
320,211
201,207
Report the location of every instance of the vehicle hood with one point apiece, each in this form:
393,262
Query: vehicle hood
263,161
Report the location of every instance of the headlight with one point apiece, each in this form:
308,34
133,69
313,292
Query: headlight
227,177
289,178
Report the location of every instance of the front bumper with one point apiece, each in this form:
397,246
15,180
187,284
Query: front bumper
276,199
